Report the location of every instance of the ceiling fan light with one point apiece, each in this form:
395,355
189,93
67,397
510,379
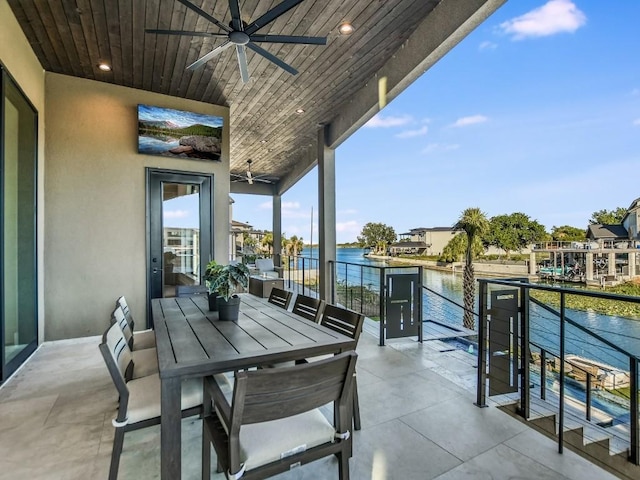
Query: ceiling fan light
300,111
346,28
105,67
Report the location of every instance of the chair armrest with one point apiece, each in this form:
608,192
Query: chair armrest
280,271
214,392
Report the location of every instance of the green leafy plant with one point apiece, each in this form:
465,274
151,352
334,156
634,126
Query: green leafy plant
226,280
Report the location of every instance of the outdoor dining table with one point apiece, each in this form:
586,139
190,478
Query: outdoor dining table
192,342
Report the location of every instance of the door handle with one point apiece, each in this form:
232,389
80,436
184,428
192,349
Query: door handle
156,270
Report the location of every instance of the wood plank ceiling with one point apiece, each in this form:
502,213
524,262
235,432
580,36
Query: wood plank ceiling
72,37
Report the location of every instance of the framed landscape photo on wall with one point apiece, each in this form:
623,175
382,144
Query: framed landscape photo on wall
179,134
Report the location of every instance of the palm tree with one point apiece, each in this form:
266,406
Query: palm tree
474,223
267,242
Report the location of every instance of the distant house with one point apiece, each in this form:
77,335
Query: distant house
631,220
607,234
423,241
620,235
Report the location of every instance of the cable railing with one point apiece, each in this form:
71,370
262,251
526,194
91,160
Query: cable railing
300,274
588,367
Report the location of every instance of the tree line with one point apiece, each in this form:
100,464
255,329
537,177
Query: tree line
508,232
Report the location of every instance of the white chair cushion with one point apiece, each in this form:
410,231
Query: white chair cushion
144,339
145,362
260,444
265,265
144,397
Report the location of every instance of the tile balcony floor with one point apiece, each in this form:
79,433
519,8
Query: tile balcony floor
418,420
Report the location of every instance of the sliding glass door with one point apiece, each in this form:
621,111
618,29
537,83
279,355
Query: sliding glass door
18,286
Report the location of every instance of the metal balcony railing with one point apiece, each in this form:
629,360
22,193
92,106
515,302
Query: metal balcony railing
588,362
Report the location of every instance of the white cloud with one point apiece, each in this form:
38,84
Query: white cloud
348,227
413,133
176,213
471,120
636,122
555,16
290,205
486,45
438,147
266,205
378,121
348,211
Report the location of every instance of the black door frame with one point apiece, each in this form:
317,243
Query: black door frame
7,369
155,177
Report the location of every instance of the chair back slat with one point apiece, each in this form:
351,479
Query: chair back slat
341,320
122,303
119,317
308,307
273,393
117,354
280,297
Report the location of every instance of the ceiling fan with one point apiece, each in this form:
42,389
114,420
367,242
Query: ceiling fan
250,177
244,35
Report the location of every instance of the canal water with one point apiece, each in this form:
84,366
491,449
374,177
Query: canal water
545,330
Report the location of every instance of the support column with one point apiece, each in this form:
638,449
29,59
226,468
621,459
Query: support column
611,264
326,214
277,230
632,264
588,265
532,263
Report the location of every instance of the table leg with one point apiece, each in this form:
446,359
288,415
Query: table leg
170,428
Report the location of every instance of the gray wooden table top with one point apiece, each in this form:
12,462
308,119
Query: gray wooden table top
191,341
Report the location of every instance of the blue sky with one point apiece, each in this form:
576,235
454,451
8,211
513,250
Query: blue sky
536,111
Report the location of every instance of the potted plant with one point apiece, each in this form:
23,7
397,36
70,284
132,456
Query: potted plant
210,275
226,281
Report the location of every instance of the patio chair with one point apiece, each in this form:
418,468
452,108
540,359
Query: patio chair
273,421
144,361
266,268
280,298
308,307
189,290
139,404
143,338
349,323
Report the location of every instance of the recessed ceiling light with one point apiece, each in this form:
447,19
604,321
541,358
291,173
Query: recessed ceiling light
299,111
263,141
345,28
104,67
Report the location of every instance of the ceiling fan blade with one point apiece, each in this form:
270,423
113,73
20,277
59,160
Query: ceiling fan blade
204,59
236,20
289,39
188,33
271,15
204,14
242,63
272,58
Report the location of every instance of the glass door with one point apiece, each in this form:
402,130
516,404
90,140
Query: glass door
18,286
179,230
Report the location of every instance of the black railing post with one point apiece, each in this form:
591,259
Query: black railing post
383,320
588,396
303,269
481,397
525,375
561,412
634,456
543,374
419,292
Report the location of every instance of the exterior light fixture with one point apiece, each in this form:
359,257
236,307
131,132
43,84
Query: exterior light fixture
345,28
104,67
300,111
